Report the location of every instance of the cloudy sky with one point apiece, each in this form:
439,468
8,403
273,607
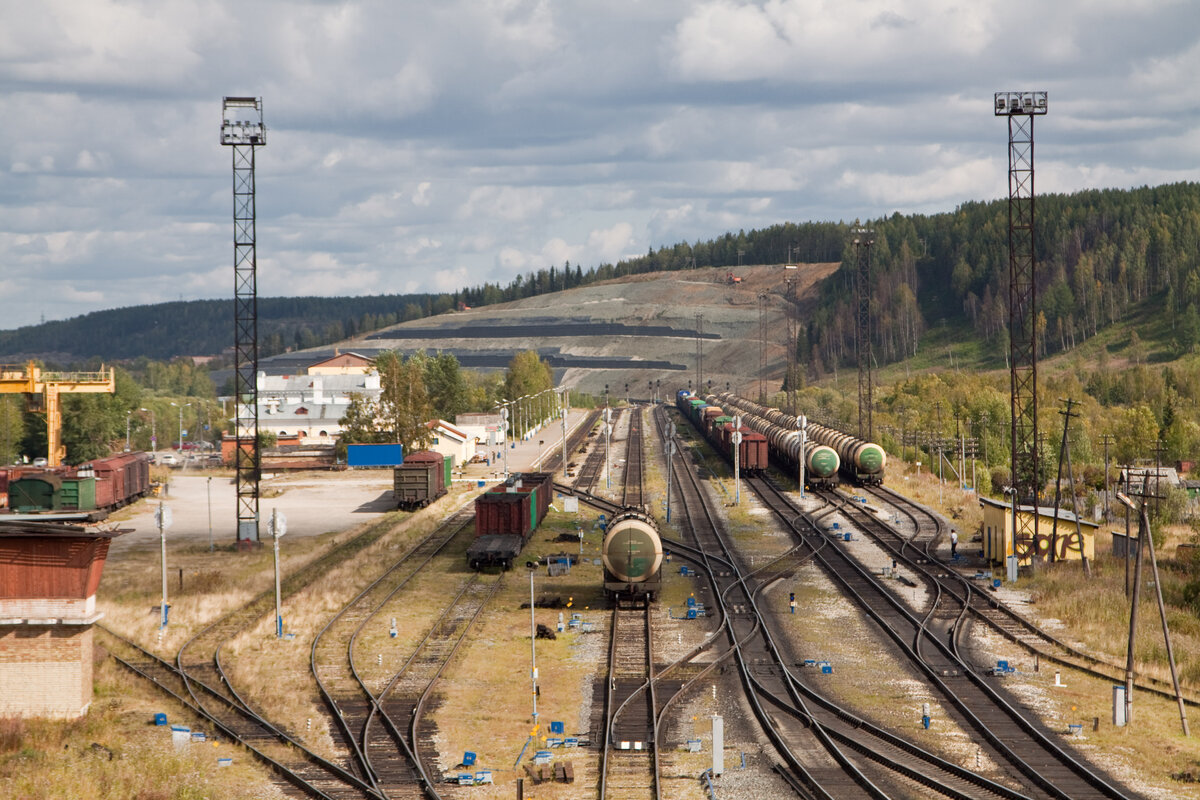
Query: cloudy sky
423,146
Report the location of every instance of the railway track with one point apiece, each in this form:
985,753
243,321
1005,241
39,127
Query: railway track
1044,767
349,701
634,479
306,774
982,606
629,768
396,733
199,679
829,751
593,465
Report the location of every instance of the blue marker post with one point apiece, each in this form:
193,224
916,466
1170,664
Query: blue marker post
792,601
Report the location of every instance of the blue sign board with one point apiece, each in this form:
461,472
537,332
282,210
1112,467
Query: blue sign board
374,455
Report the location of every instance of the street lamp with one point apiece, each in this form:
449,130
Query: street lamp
128,419
181,408
153,431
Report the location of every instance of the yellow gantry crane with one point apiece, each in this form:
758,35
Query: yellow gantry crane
30,379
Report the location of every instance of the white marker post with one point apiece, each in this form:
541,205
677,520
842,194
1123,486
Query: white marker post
803,450
736,439
277,527
162,517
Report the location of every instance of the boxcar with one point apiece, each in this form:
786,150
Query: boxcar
420,480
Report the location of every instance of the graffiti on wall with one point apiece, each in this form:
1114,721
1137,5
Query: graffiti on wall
1067,546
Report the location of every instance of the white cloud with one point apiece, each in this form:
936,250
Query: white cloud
411,144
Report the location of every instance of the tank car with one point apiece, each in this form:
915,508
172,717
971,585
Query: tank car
633,556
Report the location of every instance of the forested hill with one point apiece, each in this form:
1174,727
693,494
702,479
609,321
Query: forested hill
1099,254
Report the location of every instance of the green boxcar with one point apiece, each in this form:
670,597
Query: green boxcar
77,494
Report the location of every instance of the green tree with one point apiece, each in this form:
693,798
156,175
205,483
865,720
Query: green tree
404,402
527,374
12,427
447,388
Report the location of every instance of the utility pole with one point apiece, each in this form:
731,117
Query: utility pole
1106,439
1064,454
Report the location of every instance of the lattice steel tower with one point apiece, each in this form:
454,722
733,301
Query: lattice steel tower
790,346
1021,108
242,129
863,239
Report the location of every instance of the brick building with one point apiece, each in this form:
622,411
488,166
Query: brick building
49,575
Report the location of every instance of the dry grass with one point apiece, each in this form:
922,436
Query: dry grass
55,759
486,695
275,674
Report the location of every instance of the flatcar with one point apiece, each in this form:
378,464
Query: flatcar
505,517
633,556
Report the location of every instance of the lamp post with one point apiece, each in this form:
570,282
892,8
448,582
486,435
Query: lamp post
181,408
504,428
128,419
562,410
153,431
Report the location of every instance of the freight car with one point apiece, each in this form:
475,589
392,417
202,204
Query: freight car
861,462
421,479
717,427
783,444
633,556
92,489
506,515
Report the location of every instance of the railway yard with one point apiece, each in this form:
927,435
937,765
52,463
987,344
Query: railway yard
822,639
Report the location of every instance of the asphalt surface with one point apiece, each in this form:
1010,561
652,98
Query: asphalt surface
312,502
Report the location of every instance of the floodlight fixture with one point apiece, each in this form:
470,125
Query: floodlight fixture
242,121
1021,104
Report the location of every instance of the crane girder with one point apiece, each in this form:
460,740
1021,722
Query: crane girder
33,380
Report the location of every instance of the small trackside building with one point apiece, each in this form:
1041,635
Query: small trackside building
1073,541
49,574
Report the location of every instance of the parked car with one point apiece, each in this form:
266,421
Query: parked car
169,459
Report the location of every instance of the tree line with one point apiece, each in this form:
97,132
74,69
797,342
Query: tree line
422,387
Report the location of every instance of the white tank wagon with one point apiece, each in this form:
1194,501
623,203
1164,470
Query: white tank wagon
633,555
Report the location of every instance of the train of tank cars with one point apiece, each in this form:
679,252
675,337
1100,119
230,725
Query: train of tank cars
828,454
508,513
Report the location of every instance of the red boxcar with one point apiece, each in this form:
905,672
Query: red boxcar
752,453
121,479
420,480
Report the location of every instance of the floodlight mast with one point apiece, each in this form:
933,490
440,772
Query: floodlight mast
242,129
1021,108
863,239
